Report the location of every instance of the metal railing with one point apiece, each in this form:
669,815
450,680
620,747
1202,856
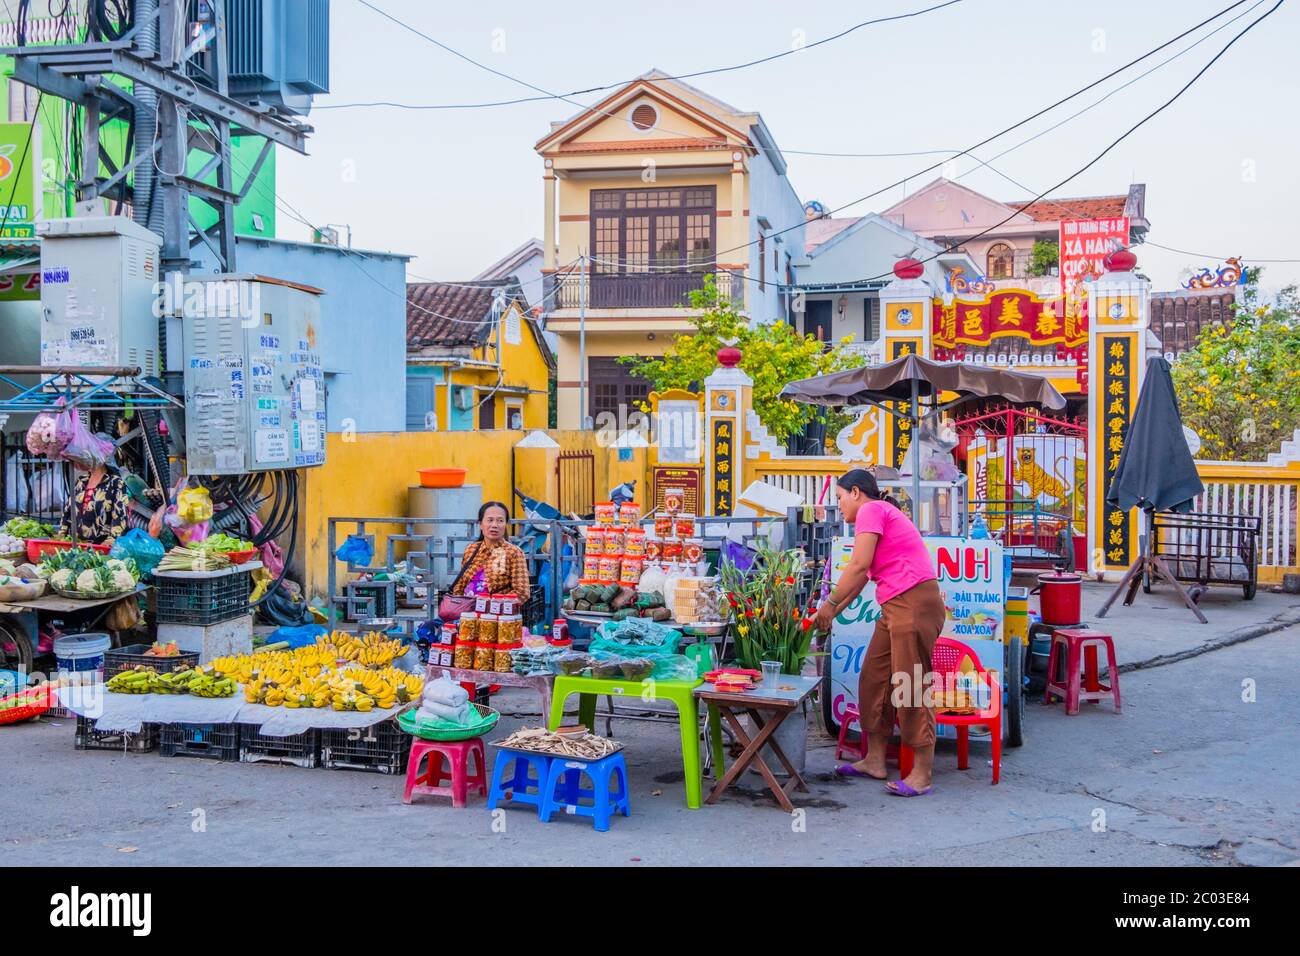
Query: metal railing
30,484
638,290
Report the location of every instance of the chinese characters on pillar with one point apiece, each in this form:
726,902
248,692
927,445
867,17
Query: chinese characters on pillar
1114,404
900,429
724,434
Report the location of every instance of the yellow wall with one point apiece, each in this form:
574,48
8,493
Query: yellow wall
368,475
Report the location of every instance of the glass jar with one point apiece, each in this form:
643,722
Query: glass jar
510,630
487,628
502,661
462,656
467,627
485,657
509,604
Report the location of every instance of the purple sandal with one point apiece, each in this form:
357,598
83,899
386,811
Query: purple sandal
848,770
900,789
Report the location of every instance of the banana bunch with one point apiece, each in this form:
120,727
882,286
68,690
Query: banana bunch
207,683
176,682
372,650
133,681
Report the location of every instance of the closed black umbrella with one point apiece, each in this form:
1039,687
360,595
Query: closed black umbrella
1156,471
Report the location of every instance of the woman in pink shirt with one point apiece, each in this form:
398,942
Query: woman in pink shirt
889,550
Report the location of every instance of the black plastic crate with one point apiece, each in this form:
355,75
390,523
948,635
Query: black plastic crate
381,748
211,741
202,600
118,659
299,750
88,738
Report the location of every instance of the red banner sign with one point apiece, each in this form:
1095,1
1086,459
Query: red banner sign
1008,315
1084,244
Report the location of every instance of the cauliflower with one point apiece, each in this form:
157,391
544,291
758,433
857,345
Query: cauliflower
6,566
62,579
122,580
115,564
87,581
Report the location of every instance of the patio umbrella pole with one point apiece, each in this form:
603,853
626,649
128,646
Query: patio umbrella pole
1153,565
914,414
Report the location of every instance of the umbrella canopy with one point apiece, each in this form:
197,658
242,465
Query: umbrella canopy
1156,471
905,378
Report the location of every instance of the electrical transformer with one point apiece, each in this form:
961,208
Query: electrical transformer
254,388
99,293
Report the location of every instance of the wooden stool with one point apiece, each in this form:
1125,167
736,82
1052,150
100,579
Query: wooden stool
1077,642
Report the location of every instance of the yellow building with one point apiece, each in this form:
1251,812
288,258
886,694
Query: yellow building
475,358
647,191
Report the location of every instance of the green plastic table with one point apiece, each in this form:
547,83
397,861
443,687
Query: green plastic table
681,693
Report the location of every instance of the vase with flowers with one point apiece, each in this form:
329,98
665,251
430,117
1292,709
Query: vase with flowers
769,621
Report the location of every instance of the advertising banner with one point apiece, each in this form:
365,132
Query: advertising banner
1084,243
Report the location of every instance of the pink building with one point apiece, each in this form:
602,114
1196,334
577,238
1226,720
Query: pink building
950,213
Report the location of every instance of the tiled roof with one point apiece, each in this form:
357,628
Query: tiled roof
1087,207
818,231
451,315
1178,317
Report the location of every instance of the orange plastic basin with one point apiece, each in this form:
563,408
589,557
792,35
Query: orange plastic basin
443,477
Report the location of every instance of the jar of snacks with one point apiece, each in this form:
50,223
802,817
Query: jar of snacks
481,603
463,655
630,573
591,565
606,513
510,630
672,551
664,525
484,656
633,543
594,540
448,634
674,500
501,660
467,627
509,604
629,513
693,550
609,568
684,526
494,604
487,628
653,549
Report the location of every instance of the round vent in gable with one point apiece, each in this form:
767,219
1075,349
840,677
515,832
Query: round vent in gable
645,117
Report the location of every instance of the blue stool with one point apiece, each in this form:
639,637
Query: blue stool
516,788
565,793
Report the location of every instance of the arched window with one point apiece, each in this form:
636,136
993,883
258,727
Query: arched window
1001,261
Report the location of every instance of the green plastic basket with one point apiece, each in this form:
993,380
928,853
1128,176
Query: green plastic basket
445,730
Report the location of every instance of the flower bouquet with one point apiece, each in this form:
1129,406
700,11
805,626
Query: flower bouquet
770,624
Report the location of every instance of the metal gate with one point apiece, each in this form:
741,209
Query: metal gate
1028,475
575,482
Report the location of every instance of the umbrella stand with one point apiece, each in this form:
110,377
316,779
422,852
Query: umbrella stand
1154,566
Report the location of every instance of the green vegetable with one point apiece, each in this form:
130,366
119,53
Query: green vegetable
223,543
27,528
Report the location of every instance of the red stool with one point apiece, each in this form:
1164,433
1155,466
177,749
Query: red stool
1081,642
854,716
457,754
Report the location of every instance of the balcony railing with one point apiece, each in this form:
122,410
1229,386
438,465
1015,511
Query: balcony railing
638,290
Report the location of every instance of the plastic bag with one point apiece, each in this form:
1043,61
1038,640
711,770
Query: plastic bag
194,505
44,436
675,667
145,551
634,637
301,636
357,549
261,579
83,446
269,553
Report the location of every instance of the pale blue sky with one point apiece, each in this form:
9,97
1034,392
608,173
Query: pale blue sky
458,189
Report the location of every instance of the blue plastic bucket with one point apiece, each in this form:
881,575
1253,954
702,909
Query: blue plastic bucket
80,654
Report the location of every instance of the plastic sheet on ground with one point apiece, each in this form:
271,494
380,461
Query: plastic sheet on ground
128,712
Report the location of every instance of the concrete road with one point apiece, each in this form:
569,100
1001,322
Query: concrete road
1199,769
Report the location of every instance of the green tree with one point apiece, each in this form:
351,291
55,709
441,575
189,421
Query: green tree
1044,256
1239,387
773,354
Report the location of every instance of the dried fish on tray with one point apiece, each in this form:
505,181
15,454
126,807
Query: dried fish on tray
575,746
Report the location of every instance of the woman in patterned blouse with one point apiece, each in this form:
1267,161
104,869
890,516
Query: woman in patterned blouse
505,570
97,506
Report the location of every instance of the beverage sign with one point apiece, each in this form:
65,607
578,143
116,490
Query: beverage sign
1084,243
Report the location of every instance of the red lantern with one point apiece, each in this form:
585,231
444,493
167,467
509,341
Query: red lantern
909,269
729,356
1121,260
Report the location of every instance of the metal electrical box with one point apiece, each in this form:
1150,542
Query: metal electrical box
99,291
254,388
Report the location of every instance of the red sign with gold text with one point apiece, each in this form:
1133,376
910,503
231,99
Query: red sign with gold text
1008,315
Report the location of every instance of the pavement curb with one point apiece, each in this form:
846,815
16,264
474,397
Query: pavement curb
1277,623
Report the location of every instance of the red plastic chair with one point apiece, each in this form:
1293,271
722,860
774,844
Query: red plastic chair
945,663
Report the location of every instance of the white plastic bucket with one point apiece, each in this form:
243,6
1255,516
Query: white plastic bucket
80,657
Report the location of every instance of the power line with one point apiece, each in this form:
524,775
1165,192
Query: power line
608,86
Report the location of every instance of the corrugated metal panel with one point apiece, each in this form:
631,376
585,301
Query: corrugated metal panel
249,26
307,55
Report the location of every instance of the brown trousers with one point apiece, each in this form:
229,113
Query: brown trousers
902,645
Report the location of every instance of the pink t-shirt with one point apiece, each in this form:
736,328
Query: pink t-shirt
902,560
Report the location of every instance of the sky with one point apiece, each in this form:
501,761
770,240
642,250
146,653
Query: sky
458,189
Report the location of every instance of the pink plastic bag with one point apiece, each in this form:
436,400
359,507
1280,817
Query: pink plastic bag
50,432
271,556
86,448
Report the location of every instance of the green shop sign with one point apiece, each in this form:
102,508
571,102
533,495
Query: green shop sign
19,183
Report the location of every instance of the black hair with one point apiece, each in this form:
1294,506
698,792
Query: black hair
865,482
483,510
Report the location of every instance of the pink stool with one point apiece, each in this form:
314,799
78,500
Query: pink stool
1081,642
457,754
851,717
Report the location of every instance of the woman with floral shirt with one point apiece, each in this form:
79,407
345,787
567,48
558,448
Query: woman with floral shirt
97,506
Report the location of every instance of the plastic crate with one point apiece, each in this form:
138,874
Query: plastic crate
380,748
118,659
300,750
88,738
202,600
211,741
